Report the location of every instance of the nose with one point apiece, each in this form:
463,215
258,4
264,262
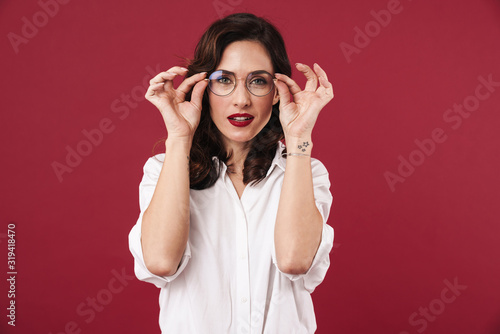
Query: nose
241,95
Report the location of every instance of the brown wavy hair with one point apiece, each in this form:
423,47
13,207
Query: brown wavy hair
207,142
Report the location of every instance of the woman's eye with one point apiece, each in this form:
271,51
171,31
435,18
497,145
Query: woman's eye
224,80
258,81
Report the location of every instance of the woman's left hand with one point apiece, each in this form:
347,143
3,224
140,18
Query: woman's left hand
298,117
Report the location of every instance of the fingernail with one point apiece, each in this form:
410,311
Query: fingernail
184,69
298,64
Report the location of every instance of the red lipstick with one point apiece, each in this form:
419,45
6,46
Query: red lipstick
240,119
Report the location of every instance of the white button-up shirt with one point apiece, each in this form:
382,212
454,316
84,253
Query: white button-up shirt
228,280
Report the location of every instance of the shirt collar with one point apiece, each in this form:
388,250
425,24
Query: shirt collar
278,159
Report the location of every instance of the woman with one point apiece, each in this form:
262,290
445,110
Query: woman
233,224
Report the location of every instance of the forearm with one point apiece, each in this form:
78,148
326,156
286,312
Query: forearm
299,224
165,223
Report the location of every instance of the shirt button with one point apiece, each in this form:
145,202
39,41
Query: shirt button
243,300
242,257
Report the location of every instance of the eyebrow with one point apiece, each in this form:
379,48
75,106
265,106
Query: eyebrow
254,72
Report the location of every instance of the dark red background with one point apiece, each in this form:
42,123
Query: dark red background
393,249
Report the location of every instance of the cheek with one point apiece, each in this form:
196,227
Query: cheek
217,106
265,105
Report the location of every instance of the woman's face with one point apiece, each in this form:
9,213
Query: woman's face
242,58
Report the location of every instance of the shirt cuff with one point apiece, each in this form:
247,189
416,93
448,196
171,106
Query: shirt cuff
140,269
320,263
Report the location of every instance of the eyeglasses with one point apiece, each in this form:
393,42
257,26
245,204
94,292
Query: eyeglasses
223,83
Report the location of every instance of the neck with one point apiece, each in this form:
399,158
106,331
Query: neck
239,153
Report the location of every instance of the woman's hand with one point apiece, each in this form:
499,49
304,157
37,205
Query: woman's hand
181,117
298,117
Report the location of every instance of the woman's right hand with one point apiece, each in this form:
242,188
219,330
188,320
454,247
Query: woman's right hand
181,117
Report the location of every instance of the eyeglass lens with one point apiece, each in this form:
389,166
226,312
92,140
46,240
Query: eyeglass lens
258,83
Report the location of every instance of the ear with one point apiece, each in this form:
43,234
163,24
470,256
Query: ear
276,96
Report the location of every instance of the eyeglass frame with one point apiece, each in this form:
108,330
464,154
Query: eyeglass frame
246,82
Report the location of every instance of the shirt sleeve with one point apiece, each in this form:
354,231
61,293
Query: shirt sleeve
152,170
323,199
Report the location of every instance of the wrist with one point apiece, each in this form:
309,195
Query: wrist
178,143
299,145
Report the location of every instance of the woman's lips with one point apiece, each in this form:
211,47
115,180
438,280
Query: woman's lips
240,119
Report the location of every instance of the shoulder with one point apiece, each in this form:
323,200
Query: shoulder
317,167
154,164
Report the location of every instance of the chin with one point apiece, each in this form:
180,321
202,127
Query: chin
240,137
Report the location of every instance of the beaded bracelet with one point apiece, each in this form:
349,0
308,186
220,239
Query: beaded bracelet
300,154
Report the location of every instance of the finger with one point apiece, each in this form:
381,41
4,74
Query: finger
198,91
188,83
177,68
284,92
292,85
168,76
320,71
328,88
312,79
162,77
153,89
323,81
